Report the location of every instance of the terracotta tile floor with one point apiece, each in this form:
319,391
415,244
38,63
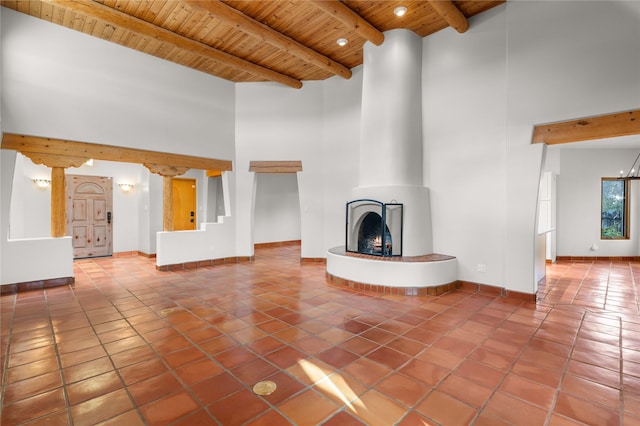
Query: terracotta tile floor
129,345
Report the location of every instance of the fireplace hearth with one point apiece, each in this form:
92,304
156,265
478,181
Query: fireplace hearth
374,228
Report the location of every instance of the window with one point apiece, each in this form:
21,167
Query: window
614,209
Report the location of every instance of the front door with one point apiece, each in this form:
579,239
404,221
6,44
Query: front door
89,200
184,204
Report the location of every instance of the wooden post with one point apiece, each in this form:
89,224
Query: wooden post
168,202
58,217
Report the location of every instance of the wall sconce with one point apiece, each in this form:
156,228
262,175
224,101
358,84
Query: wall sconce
42,183
126,187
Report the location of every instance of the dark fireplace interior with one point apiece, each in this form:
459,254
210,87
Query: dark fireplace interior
370,238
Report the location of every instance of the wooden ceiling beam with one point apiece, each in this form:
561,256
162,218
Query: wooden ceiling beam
589,128
246,24
351,19
64,153
451,14
145,29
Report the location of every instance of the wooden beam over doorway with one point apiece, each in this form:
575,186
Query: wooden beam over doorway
275,166
588,128
162,163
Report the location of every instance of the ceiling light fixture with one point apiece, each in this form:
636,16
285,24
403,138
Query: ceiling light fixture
342,41
400,10
634,170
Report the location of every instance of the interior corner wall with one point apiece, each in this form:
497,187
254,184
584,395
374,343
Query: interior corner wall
277,208
341,148
579,195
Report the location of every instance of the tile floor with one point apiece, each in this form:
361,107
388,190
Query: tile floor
128,345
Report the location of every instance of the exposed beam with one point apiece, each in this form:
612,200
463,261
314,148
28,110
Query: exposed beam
246,24
450,13
583,129
145,29
351,19
33,146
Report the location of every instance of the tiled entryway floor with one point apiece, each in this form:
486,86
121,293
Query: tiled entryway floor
129,345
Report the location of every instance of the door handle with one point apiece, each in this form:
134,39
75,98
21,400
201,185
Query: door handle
109,217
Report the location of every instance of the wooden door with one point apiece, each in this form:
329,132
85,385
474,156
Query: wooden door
89,215
184,204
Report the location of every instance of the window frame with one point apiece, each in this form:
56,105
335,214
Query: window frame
626,209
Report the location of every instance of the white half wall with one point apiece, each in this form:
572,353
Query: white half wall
27,260
211,241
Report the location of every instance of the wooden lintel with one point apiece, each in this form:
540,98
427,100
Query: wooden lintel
589,128
451,14
237,19
275,166
351,19
144,29
34,146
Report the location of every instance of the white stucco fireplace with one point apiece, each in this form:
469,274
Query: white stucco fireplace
391,174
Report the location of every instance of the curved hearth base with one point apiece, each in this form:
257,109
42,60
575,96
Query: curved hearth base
416,275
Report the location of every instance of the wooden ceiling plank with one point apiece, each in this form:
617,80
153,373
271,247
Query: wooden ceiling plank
60,148
265,33
450,13
146,29
351,19
589,128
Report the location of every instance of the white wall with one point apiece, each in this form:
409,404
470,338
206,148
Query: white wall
63,84
579,195
277,208
520,64
276,123
464,119
341,149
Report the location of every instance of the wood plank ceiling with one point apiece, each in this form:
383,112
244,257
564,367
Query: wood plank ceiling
285,41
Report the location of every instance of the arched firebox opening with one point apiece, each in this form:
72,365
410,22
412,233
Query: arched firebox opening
374,228
370,236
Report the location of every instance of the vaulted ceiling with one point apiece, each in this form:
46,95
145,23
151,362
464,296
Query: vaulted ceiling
285,41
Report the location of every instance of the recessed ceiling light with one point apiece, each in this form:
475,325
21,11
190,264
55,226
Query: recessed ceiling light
342,41
400,10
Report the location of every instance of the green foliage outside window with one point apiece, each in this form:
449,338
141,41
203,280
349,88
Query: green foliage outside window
614,209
